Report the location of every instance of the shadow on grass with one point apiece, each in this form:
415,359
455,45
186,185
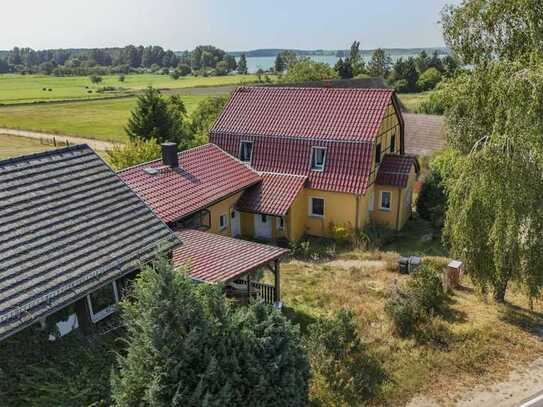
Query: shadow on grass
525,319
417,238
303,319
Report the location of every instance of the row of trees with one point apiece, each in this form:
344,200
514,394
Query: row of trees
413,74
202,60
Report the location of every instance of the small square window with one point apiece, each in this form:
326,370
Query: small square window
222,221
317,207
386,200
264,218
318,156
393,143
246,151
378,154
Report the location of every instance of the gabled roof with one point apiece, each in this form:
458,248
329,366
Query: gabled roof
217,259
394,170
307,113
273,196
347,167
206,174
68,225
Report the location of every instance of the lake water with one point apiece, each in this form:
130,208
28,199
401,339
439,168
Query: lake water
266,63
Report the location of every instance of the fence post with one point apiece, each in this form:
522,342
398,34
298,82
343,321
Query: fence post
54,141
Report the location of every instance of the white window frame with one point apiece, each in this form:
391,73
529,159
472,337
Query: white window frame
221,225
241,149
316,215
95,317
280,223
319,168
381,201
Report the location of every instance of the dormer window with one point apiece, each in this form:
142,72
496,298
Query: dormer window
318,157
246,151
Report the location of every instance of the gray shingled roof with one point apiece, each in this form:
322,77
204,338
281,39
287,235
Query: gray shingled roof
68,225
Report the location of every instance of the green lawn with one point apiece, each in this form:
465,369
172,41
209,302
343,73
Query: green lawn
29,88
100,119
12,146
411,101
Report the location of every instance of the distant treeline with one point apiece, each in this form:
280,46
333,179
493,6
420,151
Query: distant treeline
273,52
203,60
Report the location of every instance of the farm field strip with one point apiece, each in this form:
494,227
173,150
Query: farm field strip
16,89
99,119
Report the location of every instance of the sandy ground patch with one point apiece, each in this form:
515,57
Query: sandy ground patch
521,385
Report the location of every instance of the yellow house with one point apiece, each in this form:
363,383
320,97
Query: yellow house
325,157
287,162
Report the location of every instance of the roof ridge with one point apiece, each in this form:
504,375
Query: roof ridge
281,173
316,88
47,153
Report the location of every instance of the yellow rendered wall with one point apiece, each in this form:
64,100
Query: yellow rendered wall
296,216
222,207
405,211
247,224
388,217
339,209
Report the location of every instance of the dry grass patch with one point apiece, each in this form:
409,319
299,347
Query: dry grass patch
478,342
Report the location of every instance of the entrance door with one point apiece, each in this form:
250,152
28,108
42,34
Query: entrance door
263,226
235,223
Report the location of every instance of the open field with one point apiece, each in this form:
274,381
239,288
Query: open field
411,101
12,146
476,344
29,88
100,119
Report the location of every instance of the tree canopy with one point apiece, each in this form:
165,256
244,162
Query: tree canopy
308,70
159,118
187,346
379,64
495,122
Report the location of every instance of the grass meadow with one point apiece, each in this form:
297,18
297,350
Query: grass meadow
16,88
412,101
98,119
12,146
478,342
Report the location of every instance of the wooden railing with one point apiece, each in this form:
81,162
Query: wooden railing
265,292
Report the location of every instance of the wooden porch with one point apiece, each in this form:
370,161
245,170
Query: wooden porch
246,288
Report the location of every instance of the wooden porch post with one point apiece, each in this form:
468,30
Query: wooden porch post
248,287
277,273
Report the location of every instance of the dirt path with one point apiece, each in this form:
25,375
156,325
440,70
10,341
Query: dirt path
521,385
95,144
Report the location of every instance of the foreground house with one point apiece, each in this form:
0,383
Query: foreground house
71,235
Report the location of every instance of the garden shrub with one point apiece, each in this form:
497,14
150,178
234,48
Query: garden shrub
345,372
414,303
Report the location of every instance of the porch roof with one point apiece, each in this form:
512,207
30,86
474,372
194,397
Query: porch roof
218,259
274,195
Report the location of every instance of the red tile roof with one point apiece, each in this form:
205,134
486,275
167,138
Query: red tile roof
206,174
394,170
273,196
216,259
347,165
314,113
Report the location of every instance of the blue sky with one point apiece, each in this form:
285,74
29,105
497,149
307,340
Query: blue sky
229,24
